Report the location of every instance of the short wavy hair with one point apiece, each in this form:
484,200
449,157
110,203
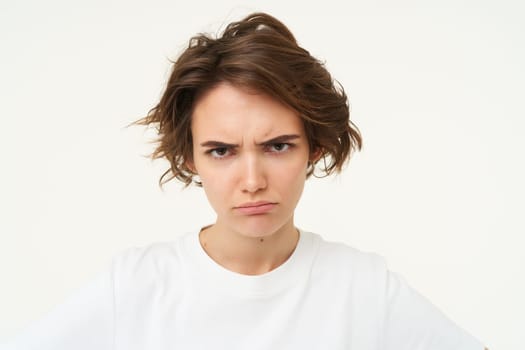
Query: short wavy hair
257,53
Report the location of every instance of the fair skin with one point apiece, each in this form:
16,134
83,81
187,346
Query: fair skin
249,149
251,155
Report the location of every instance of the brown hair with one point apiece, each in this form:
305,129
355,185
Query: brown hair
257,53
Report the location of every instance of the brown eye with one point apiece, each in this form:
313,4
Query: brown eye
279,147
219,152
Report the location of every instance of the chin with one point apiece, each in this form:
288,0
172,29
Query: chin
259,228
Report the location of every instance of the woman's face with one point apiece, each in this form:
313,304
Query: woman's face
251,154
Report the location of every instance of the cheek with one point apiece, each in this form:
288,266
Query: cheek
216,188
292,178
212,186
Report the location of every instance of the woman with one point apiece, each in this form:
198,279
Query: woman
248,116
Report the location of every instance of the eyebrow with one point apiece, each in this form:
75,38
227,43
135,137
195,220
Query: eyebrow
278,139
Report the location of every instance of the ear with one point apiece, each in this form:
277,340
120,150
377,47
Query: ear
316,155
191,166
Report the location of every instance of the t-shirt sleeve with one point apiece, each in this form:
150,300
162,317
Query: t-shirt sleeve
413,322
84,321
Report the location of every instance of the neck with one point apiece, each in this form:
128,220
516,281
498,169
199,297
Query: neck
249,255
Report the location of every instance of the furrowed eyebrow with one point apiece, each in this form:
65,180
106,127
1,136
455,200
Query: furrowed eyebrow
218,144
278,139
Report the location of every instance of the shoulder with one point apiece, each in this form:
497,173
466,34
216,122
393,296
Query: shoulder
147,264
152,253
346,258
350,268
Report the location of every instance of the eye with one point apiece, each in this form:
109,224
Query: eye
220,152
279,147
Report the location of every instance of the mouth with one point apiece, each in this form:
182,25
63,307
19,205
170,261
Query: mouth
255,208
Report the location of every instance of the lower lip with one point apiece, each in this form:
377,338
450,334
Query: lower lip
259,209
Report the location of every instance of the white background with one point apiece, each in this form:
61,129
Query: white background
437,89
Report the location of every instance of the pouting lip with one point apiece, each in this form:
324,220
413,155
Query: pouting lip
253,204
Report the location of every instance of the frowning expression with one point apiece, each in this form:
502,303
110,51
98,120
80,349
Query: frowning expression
251,154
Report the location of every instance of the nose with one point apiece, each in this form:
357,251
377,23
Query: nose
253,174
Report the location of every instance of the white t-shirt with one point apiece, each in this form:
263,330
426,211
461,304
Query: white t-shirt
174,296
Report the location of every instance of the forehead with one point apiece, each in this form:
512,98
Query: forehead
232,112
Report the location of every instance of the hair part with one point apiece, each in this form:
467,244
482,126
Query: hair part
258,53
